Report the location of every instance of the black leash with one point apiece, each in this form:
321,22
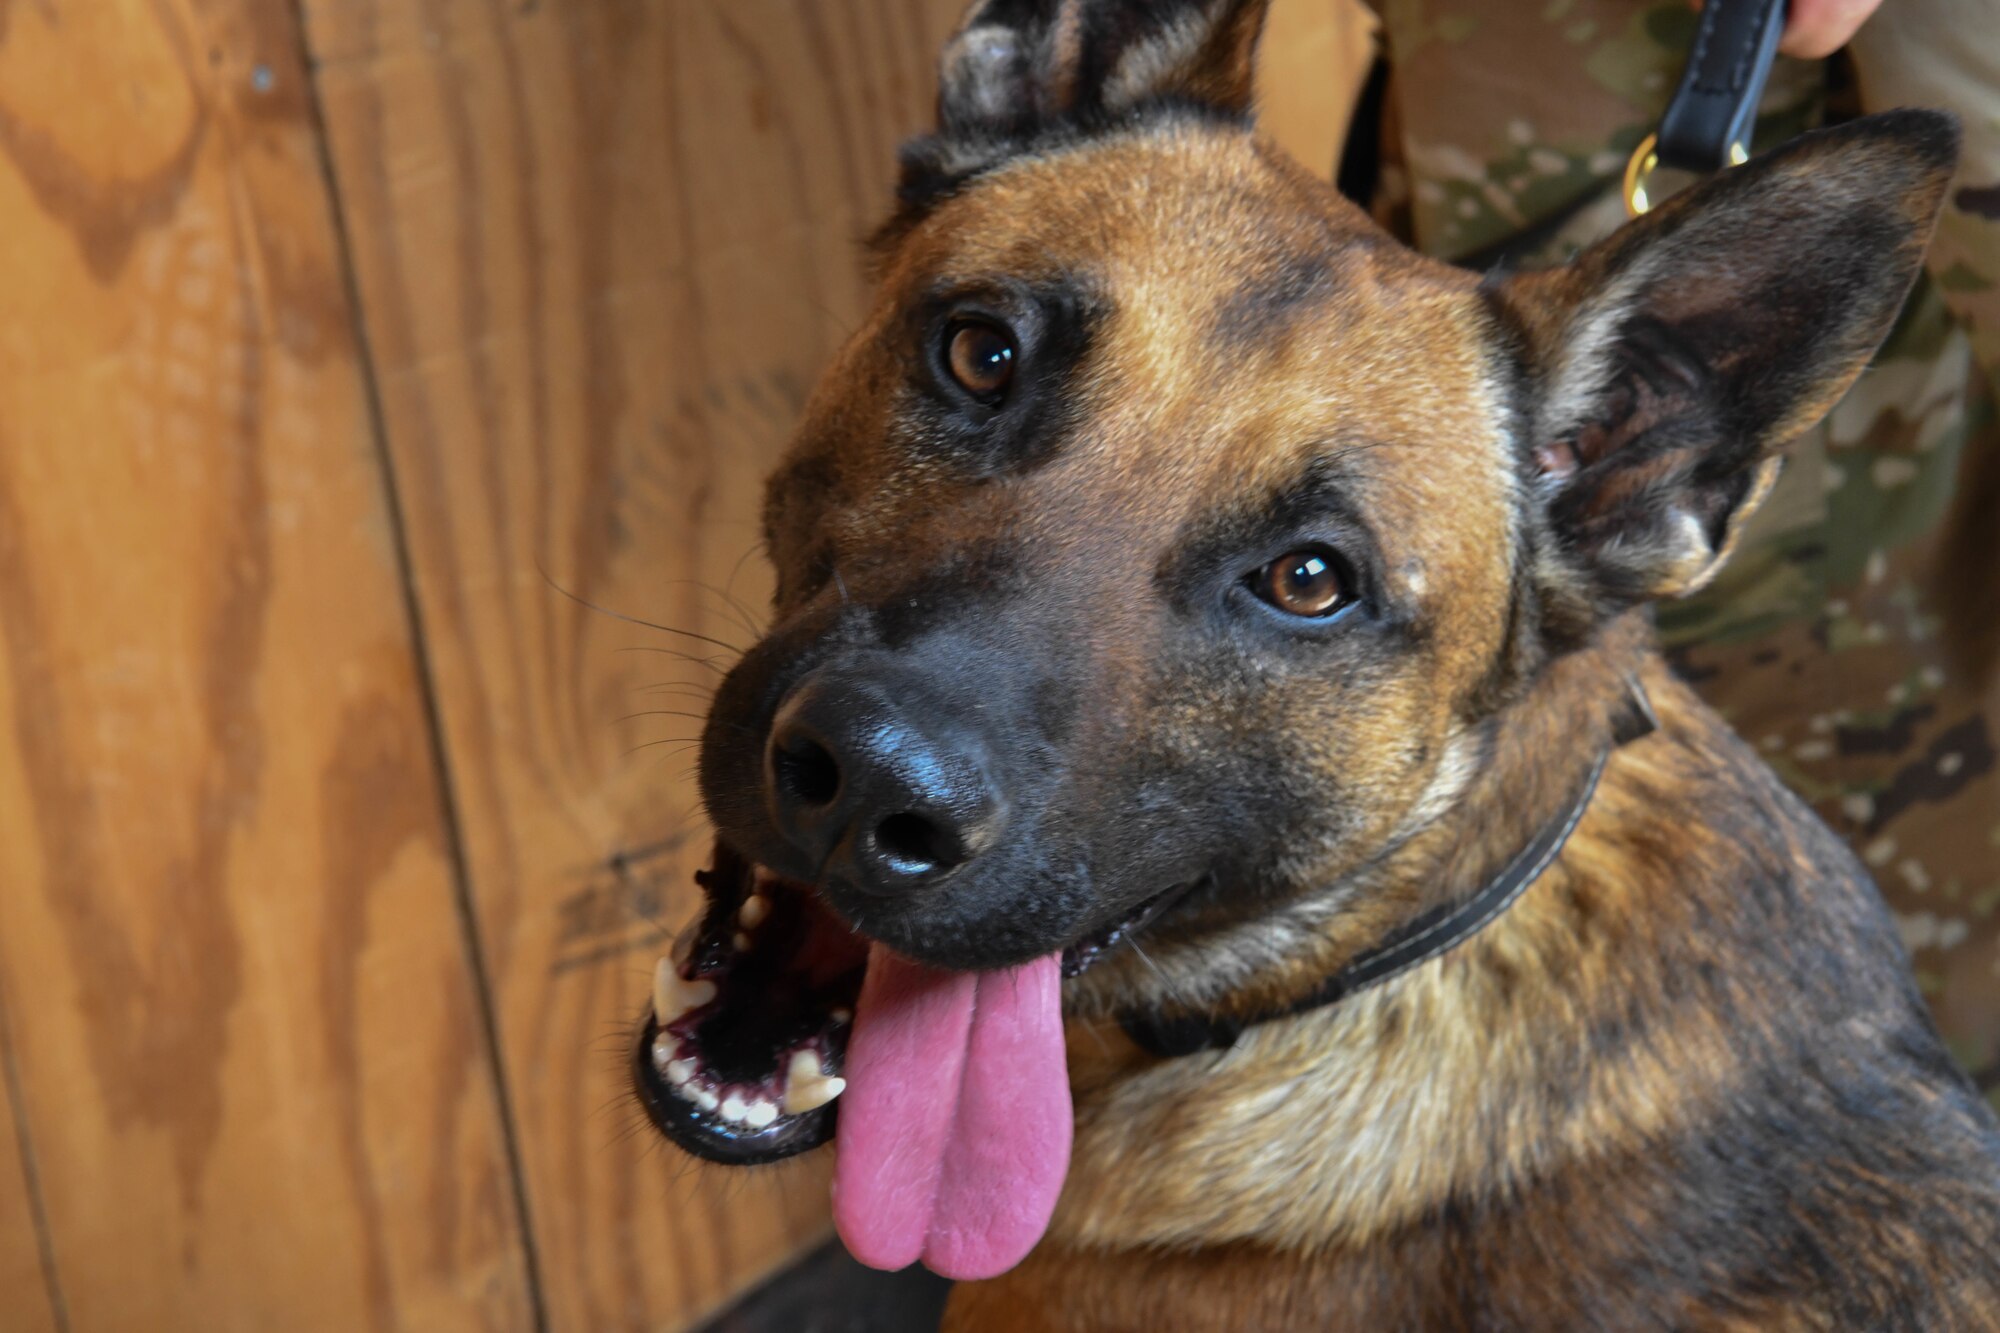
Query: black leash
1709,120
1416,943
1706,127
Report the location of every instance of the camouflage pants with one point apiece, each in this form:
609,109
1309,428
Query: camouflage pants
1855,638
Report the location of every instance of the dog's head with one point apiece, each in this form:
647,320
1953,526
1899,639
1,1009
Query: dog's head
1148,554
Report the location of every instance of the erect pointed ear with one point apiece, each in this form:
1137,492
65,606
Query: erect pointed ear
1018,66
1668,365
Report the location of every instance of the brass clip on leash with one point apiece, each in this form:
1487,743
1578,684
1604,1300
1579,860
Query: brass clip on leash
1707,123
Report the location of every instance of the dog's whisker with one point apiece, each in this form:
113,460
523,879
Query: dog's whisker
708,662
736,649
693,693
1165,980
743,616
755,548
682,713
685,742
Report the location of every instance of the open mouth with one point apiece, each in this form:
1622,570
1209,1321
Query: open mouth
740,1058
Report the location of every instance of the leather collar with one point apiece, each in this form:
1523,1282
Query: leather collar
1420,940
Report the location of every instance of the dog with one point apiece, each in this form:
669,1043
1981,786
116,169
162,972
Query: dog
1210,835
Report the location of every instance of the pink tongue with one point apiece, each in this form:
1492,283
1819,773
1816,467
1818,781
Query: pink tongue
955,1126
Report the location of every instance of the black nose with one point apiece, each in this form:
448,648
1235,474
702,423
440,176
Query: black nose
869,782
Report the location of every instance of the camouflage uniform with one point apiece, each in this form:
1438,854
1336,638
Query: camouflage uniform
1855,637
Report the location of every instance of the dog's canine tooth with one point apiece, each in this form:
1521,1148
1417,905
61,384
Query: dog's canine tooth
842,1015
741,941
760,1114
807,1086
673,995
811,1096
734,1108
755,908
666,990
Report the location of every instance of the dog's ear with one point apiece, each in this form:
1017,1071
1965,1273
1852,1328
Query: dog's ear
1668,365
1023,73
1016,67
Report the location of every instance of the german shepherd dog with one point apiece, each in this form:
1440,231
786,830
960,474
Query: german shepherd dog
1211,818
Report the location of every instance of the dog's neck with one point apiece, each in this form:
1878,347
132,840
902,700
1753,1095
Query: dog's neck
1500,785
1404,1096
1451,918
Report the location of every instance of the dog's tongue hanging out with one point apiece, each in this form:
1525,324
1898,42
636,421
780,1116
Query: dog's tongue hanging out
955,1128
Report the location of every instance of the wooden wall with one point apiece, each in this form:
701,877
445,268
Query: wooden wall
335,842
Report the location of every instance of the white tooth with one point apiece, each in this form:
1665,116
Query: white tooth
760,1114
687,1092
681,1071
803,1097
741,941
842,1015
665,984
734,1109
755,908
703,1098
807,1085
665,1047
673,995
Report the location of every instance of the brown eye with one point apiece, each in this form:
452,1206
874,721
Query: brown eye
980,357
1303,583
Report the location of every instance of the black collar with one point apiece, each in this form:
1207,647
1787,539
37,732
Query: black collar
1420,940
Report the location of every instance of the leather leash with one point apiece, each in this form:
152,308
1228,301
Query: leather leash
1707,124
1709,120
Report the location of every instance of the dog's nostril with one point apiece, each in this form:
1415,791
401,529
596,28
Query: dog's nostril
919,844
807,770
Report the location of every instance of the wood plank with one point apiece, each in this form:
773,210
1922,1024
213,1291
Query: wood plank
603,251
247,1033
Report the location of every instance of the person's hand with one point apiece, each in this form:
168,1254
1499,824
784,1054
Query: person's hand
1817,28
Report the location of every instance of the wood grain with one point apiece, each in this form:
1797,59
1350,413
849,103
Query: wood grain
239,1003
603,251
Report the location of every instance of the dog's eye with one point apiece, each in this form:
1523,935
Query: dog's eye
1303,583
980,357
